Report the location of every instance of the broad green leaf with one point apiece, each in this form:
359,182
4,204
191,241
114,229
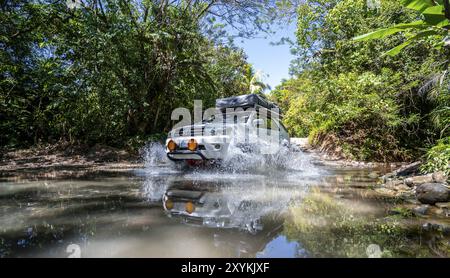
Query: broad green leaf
443,23
418,5
434,15
414,24
438,9
394,51
382,33
378,34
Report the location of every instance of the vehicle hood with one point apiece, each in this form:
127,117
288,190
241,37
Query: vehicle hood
204,129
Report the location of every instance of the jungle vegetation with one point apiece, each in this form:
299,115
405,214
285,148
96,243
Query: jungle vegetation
370,79
111,71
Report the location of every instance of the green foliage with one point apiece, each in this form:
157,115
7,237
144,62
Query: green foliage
438,157
439,94
350,99
434,25
402,211
418,5
111,70
359,109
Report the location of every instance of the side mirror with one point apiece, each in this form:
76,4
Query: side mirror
258,123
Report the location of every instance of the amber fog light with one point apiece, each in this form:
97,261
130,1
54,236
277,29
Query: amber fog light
171,145
192,145
168,204
189,207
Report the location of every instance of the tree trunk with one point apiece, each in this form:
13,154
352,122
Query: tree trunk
447,9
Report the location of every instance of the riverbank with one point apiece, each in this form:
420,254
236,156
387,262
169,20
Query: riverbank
417,194
324,158
60,160
421,194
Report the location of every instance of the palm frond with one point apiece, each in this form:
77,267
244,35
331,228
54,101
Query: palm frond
430,87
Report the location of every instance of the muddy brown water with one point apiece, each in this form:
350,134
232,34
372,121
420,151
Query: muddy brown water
166,211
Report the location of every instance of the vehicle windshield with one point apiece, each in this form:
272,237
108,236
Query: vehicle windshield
229,118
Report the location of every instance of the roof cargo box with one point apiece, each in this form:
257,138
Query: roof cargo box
245,101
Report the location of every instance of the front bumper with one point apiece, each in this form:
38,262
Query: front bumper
185,155
209,148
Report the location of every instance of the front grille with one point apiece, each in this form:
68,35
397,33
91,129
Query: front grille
193,131
197,131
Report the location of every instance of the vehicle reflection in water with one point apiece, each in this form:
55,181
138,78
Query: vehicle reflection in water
242,206
243,214
215,207
258,216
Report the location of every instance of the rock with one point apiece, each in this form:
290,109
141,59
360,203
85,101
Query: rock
416,180
402,187
431,193
373,175
406,194
436,211
301,143
442,228
443,205
439,177
385,191
407,170
421,210
399,187
393,184
412,201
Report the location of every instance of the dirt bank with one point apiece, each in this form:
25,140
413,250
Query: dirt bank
325,158
65,159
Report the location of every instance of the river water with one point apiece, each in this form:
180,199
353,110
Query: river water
248,207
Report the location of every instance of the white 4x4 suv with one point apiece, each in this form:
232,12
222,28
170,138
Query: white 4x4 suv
248,122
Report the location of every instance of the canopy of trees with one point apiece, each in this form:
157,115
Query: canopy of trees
354,98
104,71
370,79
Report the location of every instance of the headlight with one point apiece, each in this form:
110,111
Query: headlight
192,145
168,204
189,207
171,145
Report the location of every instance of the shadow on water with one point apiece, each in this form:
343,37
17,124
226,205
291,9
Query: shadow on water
166,210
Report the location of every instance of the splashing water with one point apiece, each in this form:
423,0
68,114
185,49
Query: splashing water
236,161
157,170
154,155
154,188
286,159
241,167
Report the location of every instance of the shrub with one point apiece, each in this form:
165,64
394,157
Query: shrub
438,157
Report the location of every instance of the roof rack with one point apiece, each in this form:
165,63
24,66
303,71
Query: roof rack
246,101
